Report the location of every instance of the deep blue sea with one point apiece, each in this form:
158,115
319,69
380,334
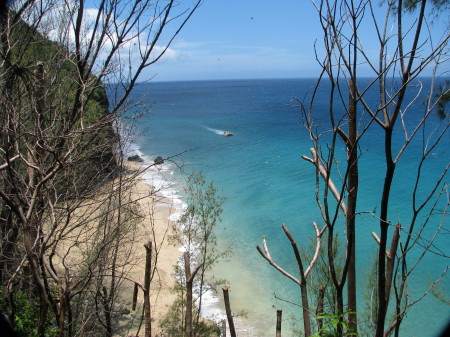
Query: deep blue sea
266,183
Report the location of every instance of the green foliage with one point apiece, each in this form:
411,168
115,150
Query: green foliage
197,224
207,329
26,318
443,97
40,79
333,324
173,323
412,5
204,207
53,93
26,314
196,231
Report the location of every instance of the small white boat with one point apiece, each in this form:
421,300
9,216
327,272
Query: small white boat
227,133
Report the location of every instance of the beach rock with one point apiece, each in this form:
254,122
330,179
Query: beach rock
135,158
159,160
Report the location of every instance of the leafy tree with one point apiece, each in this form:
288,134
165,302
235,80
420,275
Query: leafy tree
196,231
436,4
442,98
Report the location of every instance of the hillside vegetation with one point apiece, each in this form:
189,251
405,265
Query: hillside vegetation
58,146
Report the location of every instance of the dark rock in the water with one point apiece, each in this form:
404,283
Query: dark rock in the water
159,160
135,158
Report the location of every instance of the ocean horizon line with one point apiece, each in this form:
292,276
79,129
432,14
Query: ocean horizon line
152,80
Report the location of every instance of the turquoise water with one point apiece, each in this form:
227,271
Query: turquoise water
260,171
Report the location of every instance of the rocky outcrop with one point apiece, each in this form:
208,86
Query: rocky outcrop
136,158
159,160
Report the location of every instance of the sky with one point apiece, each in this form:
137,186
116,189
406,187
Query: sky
233,39
249,39
229,39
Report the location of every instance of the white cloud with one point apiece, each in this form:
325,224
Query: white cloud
170,53
90,15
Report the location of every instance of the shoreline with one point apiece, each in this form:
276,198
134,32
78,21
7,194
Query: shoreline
160,218
168,205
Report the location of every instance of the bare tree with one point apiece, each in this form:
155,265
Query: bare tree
339,134
226,298
278,328
302,282
345,49
56,57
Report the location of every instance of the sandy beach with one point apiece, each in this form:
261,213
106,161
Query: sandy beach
157,228
148,222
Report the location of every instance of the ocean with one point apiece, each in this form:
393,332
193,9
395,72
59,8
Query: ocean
260,171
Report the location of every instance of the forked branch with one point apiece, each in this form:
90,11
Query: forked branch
324,173
303,274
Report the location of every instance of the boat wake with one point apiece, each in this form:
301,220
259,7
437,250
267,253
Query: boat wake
217,131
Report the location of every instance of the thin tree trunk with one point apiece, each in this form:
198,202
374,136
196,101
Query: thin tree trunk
43,300
69,316
340,309
135,295
60,316
107,312
147,279
112,287
351,205
390,263
189,305
108,298
278,329
202,282
188,332
303,284
228,311
189,300
305,307
320,307
224,328
382,299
